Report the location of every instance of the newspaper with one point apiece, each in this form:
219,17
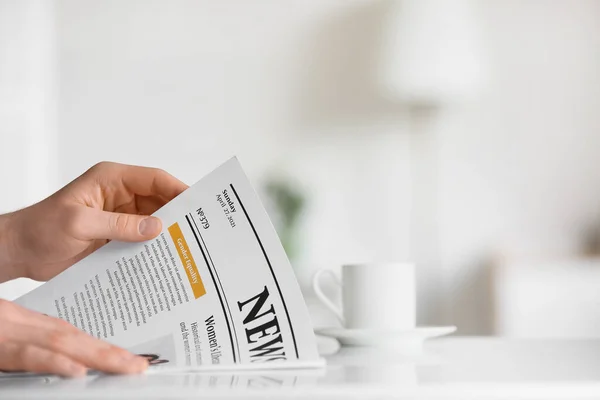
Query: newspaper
214,290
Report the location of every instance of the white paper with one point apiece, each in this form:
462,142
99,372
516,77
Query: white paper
214,289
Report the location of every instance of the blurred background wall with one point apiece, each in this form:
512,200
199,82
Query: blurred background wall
504,178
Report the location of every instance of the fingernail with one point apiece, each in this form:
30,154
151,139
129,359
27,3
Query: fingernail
149,226
137,364
127,356
142,363
76,370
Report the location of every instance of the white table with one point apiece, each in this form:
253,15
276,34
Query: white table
451,368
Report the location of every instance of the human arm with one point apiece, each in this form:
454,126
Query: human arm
108,202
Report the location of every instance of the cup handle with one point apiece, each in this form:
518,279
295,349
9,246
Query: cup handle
316,283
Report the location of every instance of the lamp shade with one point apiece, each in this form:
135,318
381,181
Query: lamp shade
430,51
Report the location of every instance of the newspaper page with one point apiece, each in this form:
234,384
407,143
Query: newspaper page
214,289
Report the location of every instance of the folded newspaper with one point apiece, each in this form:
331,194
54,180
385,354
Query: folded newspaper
214,290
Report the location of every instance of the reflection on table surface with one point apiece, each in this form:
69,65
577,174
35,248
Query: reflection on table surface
163,383
447,368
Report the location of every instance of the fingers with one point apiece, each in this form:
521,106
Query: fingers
86,350
143,181
97,224
43,343
19,357
124,191
148,205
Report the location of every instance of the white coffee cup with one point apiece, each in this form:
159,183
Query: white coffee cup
374,296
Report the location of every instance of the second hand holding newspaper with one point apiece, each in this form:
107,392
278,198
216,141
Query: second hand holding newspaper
214,290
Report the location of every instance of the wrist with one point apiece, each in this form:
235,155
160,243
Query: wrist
8,260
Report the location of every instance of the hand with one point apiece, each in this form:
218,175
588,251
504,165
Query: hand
108,202
37,343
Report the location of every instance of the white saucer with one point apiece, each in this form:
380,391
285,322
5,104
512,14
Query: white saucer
384,338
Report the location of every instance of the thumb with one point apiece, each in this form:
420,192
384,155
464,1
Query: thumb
118,226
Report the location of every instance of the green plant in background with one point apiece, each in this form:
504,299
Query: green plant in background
288,203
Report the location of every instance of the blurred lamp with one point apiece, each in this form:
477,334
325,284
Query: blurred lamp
430,53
